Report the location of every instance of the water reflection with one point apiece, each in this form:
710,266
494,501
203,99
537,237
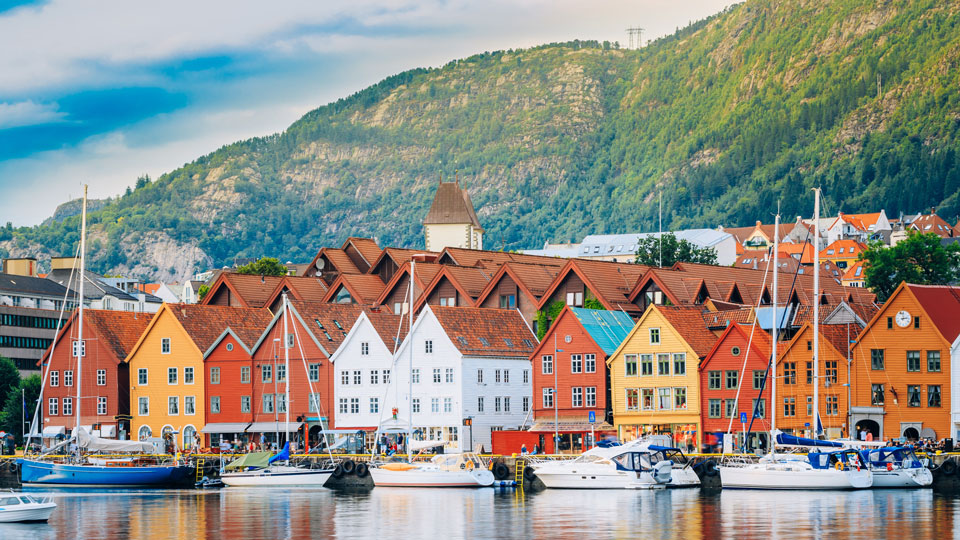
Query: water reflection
251,514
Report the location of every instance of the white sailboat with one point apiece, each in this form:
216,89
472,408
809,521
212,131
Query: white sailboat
835,469
634,465
260,469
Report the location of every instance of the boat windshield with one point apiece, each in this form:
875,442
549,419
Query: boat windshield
9,501
634,461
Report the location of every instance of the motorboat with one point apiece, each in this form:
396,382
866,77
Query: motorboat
263,469
20,508
829,470
444,470
635,465
896,467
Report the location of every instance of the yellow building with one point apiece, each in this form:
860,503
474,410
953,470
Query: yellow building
166,368
654,380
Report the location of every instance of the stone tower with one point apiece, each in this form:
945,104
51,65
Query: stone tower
452,222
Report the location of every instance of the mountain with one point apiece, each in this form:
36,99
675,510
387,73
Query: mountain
726,117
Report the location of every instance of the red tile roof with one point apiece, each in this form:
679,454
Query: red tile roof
486,332
253,290
494,259
329,323
533,279
850,248
118,330
942,304
839,335
425,272
611,282
688,322
386,325
363,288
310,289
204,324
722,319
367,248
932,223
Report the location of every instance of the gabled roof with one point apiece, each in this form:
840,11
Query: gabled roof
611,282
608,329
387,325
327,324
941,303
451,205
834,337
338,258
486,332
716,320
493,259
846,248
469,281
687,321
855,272
399,256
366,247
363,288
118,330
14,283
533,279
425,272
310,289
759,344
932,223
253,291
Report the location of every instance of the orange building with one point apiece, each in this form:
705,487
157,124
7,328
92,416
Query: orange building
901,364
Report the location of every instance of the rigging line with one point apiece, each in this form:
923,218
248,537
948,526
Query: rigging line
395,359
316,400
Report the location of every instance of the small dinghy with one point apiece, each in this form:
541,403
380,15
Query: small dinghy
20,508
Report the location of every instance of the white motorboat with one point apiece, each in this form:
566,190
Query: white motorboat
630,466
20,507
837,469
896,467
278,475
446,470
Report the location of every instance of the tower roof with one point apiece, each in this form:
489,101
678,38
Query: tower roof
451,204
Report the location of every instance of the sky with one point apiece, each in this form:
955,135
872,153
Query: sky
101,92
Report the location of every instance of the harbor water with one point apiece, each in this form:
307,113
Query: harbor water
253,514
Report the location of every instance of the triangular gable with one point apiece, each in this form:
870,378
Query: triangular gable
644,281
742,332
219,286
229,331
494,283
273,323
60,335
164,309
355,329
437,280
636,328
798,338
571,266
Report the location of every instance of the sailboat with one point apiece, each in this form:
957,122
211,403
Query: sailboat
445,470
835,468
82,469
265,470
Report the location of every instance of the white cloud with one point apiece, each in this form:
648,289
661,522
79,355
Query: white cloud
28,113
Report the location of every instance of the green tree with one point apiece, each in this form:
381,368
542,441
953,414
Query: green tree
202,291
674,251
265,266
9,378
24,396
920,259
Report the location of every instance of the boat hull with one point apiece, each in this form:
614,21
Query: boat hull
33,512
69,475
278,477
902,478
684,477
580,476
786,477
431,478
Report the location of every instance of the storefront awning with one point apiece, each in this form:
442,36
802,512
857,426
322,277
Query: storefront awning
566,427
53,431
225,427
270,427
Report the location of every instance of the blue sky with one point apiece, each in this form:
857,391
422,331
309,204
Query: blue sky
99,92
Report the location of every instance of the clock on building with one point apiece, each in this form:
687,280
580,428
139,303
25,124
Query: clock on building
903,318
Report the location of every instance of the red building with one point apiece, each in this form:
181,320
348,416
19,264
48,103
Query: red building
108,337
725,368
315,330
572,358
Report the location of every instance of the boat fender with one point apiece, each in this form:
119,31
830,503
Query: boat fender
889,467
839,465
501,471
338,471
348,466
360,470
529,473
949,467
710,468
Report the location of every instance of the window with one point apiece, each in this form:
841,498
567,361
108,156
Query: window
68,377
508,301
789,406
428,346
173,405
663,364
732,378
575,299
713,380
245,375
314,405
364,348
281,373
632,399
630,365
809,372
415,403
665,401
831,371
506,404
576,363
654,336
374,376
357,377
189,405
415,375
386,376
548,398
53,404
526,376
480,404
576,396
143,406
646,399
526,403
496,376
479,376
165,345
913,396
679,398
343,406
101,405
268,403
646,364
789,373
214,404
713,408
266,373
809,406
758,378
102,377
374,405
933,395
497,404
506,376
916,322
434,405
591,396
876,359
55,378
245,404
546,363
933,360
345,377
355,405
188,375
172,375
759,408
436,375
730,408
314,372
679,363
913,360
214,375
448,375
833,408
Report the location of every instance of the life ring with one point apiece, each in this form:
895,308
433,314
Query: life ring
501,471
949,467
360,470
469,465
839,465
338,470
529,473
710,468
348,466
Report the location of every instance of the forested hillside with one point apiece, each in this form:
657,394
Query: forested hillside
725,117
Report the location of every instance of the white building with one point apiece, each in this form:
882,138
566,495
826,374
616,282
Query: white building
623,247
467,363
452,221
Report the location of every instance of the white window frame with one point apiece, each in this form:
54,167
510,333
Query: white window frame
165,345
101,405
192,378
186,408
53,407
101,377
143,406
54,379
173,401
176,376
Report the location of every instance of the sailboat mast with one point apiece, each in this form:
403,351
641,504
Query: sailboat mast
776,323
816,312
413,264
286,372
79,348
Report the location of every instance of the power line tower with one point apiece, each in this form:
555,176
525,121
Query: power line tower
633,35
